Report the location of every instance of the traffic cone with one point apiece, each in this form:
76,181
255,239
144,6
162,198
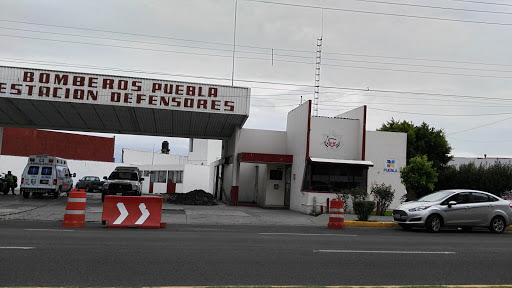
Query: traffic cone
337,218
75,209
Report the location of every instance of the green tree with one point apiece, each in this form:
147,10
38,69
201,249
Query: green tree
419,177
423,140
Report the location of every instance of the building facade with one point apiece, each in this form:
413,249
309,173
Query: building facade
304,167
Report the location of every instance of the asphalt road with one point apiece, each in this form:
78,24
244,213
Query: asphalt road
43,254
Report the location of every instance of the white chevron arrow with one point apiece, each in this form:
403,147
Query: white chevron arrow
123,215
145,214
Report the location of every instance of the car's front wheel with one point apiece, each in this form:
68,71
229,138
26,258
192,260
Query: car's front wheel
497,225
433,223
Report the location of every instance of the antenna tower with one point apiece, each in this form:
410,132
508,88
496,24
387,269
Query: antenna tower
317,75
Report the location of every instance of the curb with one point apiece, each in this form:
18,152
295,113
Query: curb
371,224
352,223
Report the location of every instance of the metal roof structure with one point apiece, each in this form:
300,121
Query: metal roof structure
59,100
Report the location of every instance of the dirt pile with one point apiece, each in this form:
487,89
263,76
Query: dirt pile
196,197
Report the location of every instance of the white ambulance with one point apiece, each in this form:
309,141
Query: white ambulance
46,174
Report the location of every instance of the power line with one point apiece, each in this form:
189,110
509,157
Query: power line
47,63
144,35
482,2
415,59
255,58
224,44
133,41
418,65
488,124
433,7
445,115
383,13
262,53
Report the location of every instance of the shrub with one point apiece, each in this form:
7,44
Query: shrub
363,209
384,194
358,194
344,196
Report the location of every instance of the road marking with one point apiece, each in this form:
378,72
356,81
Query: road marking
303,234
145,214
123,211
379,251
64,230
23,248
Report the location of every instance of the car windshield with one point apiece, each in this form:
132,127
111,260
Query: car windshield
123,176
436,196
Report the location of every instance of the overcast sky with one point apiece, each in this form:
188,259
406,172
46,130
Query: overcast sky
445,62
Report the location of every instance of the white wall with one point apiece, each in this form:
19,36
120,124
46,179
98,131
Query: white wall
296,135
346,131
358,114
262,141
17,164
204,151
214,151
383,146
132,157
196,177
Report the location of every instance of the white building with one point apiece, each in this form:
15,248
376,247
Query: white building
167,173
310,162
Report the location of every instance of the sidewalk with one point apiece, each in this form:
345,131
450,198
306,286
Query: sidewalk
225,214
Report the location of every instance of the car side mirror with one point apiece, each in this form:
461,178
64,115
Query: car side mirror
141,179
104,177
451,203
74,174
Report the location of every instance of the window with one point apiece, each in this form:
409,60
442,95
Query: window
479,198
158,176
327,177
276,175
46,171
460,198
175,176
33,170
116,175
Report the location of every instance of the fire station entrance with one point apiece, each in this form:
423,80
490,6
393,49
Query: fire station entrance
71,101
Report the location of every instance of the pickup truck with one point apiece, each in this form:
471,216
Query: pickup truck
123,181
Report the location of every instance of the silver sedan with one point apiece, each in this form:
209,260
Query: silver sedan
458,208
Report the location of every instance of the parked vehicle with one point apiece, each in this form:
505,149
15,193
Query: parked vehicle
90,183
123,181
46,174
458,208
4,184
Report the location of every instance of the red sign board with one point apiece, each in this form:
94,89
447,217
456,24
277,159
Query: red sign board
132,211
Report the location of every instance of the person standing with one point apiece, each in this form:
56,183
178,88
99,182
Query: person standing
11,179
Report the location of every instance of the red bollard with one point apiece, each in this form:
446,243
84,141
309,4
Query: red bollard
337,218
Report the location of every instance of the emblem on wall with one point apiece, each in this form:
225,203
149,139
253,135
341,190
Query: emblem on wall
332,141
391,166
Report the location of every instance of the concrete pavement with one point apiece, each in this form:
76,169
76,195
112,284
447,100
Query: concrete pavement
225,214
14,207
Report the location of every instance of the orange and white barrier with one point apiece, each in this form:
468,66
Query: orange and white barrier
132,211
75,209
337,217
